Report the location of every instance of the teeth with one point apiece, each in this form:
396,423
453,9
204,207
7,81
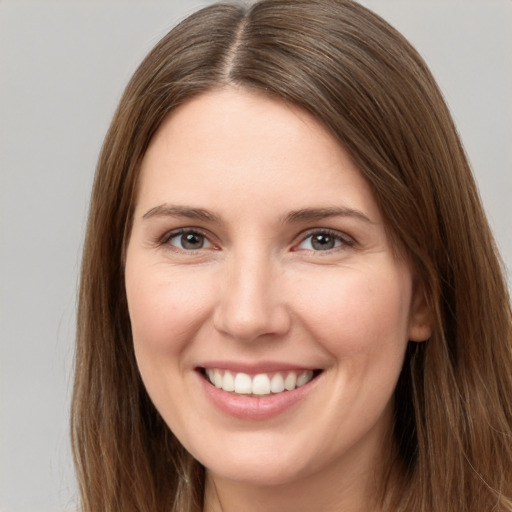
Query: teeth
304,378
243,384
277,383
260,384
228,383
290,381
217,378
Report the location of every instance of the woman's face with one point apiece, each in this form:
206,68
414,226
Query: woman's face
259,261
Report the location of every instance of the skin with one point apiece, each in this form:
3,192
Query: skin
260,290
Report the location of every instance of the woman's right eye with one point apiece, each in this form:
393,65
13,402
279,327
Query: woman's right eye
188,240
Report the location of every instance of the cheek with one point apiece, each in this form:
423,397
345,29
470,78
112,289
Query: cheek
361,320
359,312
166,309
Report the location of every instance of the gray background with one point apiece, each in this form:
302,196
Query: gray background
63,66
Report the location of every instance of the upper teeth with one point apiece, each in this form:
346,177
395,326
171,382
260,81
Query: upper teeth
260,384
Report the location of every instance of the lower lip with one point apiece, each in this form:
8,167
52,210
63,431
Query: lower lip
255,408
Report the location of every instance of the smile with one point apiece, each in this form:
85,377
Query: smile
260,384
259,392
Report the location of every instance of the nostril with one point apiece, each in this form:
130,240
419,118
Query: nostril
249,324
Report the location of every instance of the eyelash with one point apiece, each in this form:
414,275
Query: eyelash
165,240
343,241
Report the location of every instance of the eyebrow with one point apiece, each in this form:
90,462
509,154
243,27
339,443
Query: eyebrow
302,215
165,210
311,214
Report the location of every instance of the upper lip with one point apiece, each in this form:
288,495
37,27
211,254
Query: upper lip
254,368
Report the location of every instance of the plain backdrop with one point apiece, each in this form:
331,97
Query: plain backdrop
63,66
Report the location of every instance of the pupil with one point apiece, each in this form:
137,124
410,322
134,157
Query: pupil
191,241
322,242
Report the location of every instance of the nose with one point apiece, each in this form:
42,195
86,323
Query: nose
251,301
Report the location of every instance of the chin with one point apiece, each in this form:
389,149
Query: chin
262,475
260,467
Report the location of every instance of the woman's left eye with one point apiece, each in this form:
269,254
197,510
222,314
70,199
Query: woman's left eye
323,241
188,241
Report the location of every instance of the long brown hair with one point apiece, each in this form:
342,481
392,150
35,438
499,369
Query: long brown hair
369,87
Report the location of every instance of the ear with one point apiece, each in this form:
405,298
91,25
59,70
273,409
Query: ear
420,317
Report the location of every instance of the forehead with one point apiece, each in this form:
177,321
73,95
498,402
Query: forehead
232,147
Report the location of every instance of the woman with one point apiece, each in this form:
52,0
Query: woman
283,280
